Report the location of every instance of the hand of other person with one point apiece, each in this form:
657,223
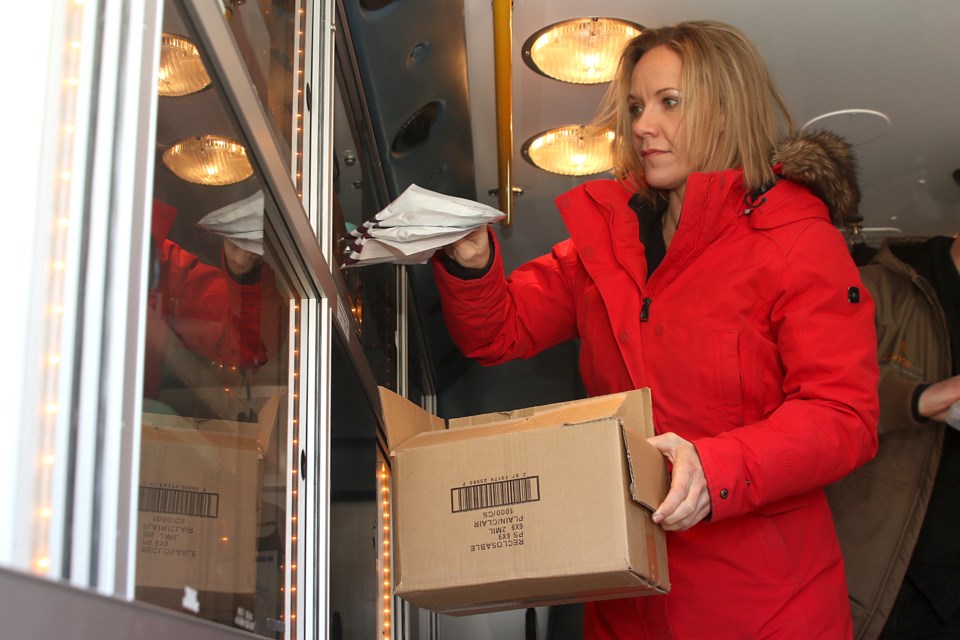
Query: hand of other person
935,401
239,261
688,501
471,251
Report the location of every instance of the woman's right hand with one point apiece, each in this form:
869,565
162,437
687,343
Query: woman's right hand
471,251
688,501
935,401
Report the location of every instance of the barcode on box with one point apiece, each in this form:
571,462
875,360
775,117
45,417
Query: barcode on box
180,502
495,494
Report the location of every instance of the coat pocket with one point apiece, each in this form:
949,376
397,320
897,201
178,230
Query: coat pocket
722,377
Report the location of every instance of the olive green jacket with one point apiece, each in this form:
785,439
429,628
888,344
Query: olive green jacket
879,508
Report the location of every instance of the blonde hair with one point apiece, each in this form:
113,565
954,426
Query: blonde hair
733,114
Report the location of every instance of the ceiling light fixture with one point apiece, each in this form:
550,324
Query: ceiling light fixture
181,69
208,160
572,150
581,51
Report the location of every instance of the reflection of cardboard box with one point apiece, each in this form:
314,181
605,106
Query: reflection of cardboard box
200,483
534,507
268,601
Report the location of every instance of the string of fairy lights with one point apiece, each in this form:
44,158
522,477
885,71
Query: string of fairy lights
56,286
290,577
384,561
299,98
290,603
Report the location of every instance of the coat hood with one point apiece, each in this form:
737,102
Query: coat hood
824,163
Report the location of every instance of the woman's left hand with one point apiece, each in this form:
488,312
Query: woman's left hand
688,501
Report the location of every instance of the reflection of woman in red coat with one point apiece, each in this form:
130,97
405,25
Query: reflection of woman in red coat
713,274
226,314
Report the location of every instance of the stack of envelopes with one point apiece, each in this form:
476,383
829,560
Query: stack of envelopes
412,227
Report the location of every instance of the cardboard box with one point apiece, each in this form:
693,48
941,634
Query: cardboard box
534,507
199,500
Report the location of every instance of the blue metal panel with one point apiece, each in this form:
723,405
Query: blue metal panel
411,56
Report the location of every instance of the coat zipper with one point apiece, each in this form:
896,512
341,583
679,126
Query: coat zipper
645,309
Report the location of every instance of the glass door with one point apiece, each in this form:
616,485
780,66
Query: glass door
216,529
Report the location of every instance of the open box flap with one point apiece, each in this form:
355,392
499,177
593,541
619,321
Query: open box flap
531,423
632,408
617,407
587,409
403,420
643,459
267,420
261,431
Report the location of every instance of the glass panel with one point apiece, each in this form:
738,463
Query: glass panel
379,322
372,291
270,35
354,505
216,469
350,165
420,383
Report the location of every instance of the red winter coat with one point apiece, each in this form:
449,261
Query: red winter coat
751,345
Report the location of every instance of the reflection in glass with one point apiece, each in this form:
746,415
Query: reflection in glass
378,295
181,69
372,291
210,160
216,468
355,507
270,36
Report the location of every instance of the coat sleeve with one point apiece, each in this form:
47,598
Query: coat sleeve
897,390
827,424
495,319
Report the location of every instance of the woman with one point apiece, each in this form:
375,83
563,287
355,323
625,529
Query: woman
711,272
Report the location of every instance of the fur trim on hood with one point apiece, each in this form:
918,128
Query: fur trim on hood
824,162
